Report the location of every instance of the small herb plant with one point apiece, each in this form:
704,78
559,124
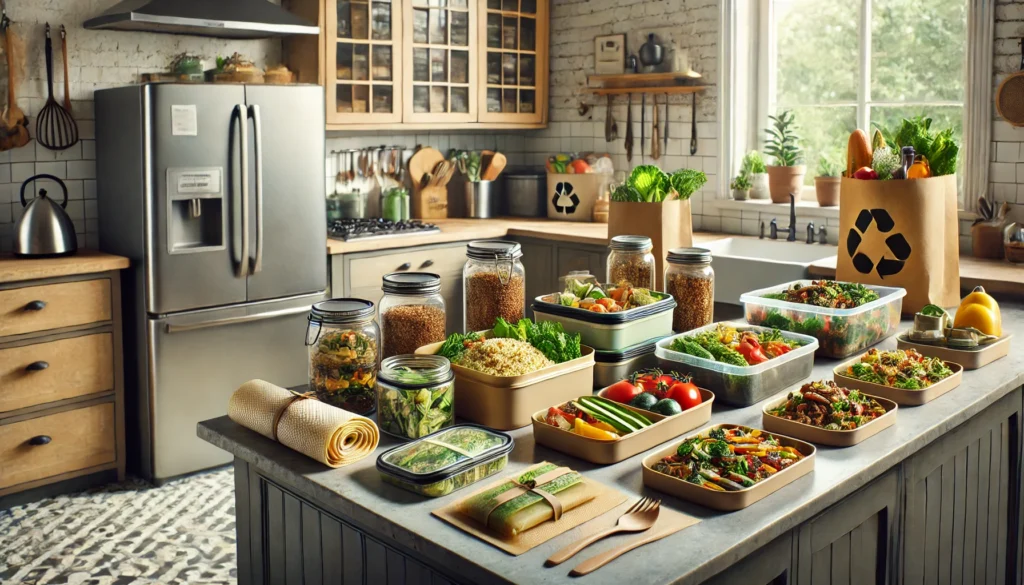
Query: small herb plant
740,183
829,167
753,164
783,142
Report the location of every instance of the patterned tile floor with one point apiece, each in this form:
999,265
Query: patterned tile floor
126,533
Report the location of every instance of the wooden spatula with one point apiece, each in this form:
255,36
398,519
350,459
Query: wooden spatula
13,122
493,168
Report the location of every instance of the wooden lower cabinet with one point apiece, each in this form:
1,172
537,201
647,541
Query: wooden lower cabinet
771,565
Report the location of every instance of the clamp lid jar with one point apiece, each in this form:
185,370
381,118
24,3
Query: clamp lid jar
495,284
342,341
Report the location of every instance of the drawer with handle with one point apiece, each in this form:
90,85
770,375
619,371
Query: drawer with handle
368,271
57,443
53,306
56,370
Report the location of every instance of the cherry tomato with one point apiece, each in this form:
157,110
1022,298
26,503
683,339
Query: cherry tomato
685,393
622,391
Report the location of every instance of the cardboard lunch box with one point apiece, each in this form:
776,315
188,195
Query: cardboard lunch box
970,359
665,428
820,436
508,402
899,395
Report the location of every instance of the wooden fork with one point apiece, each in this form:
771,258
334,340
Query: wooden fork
639,517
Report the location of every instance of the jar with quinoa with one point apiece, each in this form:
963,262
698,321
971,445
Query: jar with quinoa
411,313
690,280
630,261
342,340
495,284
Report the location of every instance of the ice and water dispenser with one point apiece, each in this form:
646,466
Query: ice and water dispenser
195,197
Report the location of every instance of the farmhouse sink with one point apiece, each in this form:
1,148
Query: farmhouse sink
745,264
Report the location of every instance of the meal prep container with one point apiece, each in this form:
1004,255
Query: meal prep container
612,366
812,434
611,331
859,334
899,395
665,428
727,501
970,359
448,477
737,385
508,402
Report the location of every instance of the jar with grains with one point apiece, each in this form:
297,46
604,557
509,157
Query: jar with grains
631,261
415,395
690,280
342,340
495,284
411,313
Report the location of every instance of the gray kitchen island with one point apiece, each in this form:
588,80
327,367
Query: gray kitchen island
934,499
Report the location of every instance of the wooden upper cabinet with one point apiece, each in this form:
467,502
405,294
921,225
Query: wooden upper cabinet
440,61
363,61
514,68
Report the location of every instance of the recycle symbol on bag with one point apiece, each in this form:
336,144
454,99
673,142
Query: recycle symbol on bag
563,192
896,243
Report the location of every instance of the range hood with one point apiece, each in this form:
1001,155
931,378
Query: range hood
236,19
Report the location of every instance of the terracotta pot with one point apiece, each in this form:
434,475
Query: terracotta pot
785,180
740,194
759,185
827,190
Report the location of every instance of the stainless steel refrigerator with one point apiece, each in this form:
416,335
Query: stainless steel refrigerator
216,194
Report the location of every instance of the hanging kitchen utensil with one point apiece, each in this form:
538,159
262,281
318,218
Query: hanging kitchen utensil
13,122
643,122
55,128
629,129
655,135
611,131
67,79
693,127
1010,95
665,129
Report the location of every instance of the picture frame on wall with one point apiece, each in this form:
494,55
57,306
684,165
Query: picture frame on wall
610,54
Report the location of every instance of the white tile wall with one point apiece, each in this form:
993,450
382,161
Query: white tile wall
1006,172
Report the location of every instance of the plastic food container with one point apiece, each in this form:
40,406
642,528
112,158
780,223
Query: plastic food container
445,461
840,332
970,359
612,366
611,331
741,386
665,428
727,501
508,402
812,434
899,395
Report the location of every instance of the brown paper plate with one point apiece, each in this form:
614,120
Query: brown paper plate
665,428
727,501
970,359
899,395
507,402
820,436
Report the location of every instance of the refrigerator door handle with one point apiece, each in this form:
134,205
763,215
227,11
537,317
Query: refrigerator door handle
243,149
257,125
172,328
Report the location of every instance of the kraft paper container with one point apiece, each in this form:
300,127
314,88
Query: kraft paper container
727,501
820,436
970,359
572,197
899,395
508,402
665,428
669,225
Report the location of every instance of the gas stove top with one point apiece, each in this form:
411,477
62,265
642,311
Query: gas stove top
361,229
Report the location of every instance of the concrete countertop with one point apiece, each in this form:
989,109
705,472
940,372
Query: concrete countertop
707,548
14,269
997,276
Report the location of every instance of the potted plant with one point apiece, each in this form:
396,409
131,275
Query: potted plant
787,175
826,184
740,187
753,168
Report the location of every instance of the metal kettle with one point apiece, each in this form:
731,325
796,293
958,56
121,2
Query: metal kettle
44,229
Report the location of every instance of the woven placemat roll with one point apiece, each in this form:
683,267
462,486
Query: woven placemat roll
332,436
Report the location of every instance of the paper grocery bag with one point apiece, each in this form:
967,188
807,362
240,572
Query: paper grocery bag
668,224
902,233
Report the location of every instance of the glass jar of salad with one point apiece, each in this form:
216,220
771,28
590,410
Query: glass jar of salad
342,339
690,280
495,284
415,395
631,261
411,313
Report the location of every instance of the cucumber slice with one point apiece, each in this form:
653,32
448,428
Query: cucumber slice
595,410
619,410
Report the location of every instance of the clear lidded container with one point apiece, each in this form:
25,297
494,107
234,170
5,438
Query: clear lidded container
495,284
411,313
690,279
630,260
342,340
415,395
445,461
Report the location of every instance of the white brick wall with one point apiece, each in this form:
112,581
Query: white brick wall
1006,171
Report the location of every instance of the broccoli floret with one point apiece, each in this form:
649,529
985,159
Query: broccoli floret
718,449
685,448
717,433
908,384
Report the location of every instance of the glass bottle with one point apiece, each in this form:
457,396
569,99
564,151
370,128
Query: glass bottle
630,260
495,284
907,161
690,280
342,340
411,313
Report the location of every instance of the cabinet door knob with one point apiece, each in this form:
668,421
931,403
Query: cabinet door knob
39,440
405,266
37,366
427,264
35,306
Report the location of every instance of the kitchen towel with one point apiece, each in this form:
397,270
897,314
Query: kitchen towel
332,436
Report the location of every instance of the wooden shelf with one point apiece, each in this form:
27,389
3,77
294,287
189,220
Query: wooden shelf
637,79
665,89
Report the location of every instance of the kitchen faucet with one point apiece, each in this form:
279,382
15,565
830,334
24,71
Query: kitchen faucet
822,235
810,232
792,222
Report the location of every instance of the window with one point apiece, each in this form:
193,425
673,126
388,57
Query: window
841,65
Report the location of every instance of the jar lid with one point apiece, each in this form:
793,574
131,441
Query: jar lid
631,243
341,311
689,256
404,283
415,371
493,249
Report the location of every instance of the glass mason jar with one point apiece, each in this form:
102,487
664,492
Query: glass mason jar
630,260
342,340
495,284
415,395
411,313
690,279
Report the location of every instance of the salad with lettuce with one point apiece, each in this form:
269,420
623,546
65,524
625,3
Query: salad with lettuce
590,296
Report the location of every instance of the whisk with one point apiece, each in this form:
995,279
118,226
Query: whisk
55,128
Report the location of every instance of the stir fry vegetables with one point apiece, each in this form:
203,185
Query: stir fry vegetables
906,369
611,299
596,418
727,345
827,293
728,459
828,406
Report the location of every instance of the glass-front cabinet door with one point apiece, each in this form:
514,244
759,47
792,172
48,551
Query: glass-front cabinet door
363,61
440,61
514,65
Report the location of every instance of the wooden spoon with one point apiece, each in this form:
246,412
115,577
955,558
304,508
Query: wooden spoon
14,123
494,167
